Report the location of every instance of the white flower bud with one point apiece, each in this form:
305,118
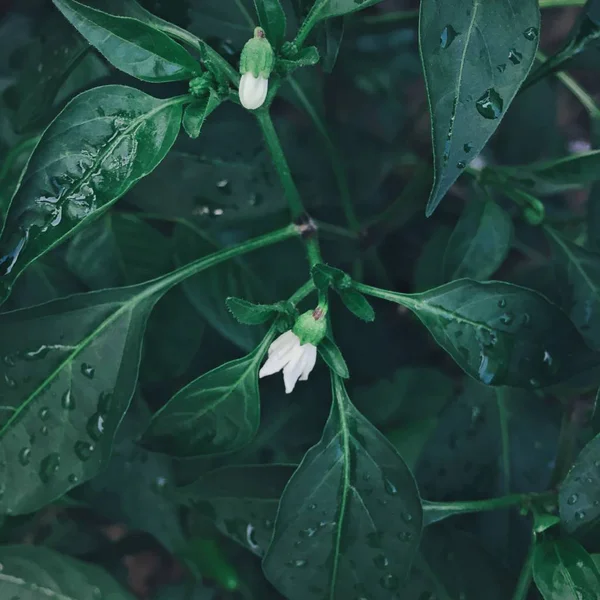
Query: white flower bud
253,90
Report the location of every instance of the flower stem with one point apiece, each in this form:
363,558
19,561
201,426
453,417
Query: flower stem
311,20
281,165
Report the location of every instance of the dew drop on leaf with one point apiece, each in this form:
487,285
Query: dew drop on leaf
67,401
389,582
580,515
299,562
501,67
87,370
95,426
468,147
461,164
515,57
44,430
83,450
381,561
572,499
530,33
25,456
9,381
447,36
44,413
405,536
490,105
390,488
49,466
407,517
73,479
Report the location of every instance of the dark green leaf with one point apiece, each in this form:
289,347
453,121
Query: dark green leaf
578,275
248,313
242,501
579,493
132,252
332,356
36,573
132,488
207,291
186,591
130,45
218,412
337,8
349,521
271,18
429,268
101,144
326,276
70,369
502,334
329,42
479,243
196,113
563,569
357,304
475,56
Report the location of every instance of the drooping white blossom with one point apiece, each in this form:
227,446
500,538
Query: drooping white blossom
253,90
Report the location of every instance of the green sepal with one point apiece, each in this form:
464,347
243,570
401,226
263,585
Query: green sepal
307,57
249,313
333,358
257,56
309,328
357,304
196,113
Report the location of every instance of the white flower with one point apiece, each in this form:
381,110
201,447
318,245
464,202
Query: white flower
253,90
297,360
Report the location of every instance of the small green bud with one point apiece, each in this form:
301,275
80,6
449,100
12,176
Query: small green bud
257,56
199,86
311,326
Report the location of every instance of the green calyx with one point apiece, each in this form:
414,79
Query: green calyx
311,326
200,86
257,57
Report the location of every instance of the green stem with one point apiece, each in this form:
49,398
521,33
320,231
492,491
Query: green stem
404,299
281,165
505,438
438,511
561,3
573,86
311,20
522,589
567,442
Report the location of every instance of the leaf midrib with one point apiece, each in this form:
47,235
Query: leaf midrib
34,587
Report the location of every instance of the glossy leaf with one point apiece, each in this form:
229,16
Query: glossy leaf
501,334
241,500
332,356
475,56
196,113
479,243
37,573
271,18
337,8
100,145
578,275
563,569
349,521
131,45
579,493
218,412
69,371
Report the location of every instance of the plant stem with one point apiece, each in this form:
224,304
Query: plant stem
566,447
573,86
281,165
310,21
524,582
505,438
438,511
561,3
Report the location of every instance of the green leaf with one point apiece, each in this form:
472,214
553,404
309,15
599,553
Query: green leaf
241,500
479,243
196,113
578,275
475,57
36,573
207,291
501,334
428,271
556,176
100,145
563,569
131,45
271,18
248,313
579,493
132,252
337,8
326,276
216,413
349,521
133,488
332,356
357,304
70,369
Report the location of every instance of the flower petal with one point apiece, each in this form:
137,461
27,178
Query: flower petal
253,91
276,362
288,338
310,354
293,369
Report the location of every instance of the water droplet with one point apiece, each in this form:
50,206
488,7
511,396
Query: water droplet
580,515
547,358
448,36
461,164
490,105
468,147
67,401
407,517
389,582
308,532
9,360
312,507
526,320
572,499
25,456
105,401
486,337
501,67
44,430
87,370
268,524
515,57
381,561
535,383
9,381
49,466
390,488
73,479
83,450
44,413
299,562
251,539
530,33
507,318
95,426
405,536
